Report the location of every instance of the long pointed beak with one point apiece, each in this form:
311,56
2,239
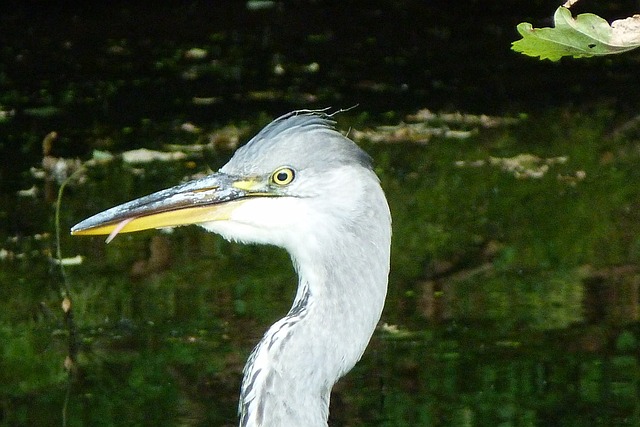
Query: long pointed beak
211,198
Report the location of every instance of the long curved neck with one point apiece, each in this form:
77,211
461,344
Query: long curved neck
289,376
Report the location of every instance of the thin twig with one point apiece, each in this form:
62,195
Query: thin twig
66,299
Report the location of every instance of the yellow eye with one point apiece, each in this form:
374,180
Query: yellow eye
283,176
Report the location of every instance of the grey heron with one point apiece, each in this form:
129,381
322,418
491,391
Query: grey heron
301,185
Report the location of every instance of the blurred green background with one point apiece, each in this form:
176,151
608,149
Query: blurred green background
513,297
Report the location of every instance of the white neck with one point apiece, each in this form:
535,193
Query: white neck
290,374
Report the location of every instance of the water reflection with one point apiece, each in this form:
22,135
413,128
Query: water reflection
494,348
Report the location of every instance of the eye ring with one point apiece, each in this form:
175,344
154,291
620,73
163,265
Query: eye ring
283,176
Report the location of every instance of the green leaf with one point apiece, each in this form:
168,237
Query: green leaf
585,36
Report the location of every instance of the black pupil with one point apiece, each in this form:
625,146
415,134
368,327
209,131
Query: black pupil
282,176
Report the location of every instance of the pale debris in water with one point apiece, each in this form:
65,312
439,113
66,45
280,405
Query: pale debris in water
254,5
196,53
574,179
6,114
76,260
420,133
394,330
458,118
227,137
66,304
200,100
521,166
5,254
425,125
190,128
144,155
526,165
30,192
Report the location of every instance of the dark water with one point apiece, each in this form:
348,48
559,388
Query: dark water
513,297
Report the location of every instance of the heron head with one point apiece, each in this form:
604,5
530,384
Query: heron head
297,175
